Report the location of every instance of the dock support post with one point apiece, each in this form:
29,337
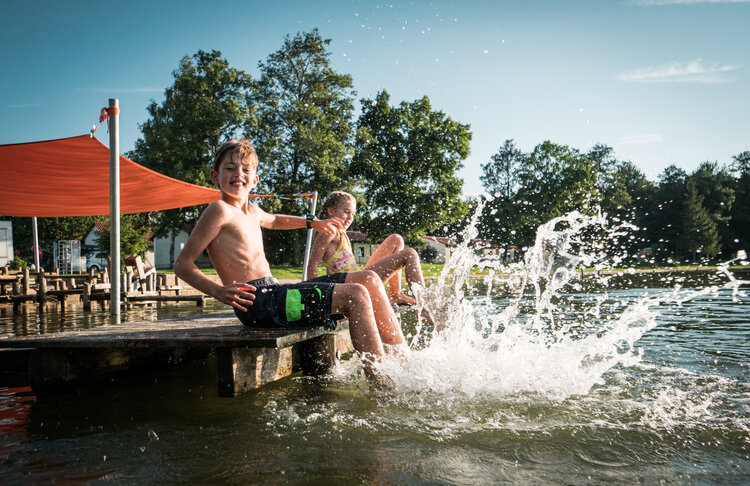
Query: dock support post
86,296
244,369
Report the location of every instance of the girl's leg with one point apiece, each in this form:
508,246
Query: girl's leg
407,259
391,245
387,323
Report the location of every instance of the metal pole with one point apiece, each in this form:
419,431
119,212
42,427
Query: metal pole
308,244
114,206
36,243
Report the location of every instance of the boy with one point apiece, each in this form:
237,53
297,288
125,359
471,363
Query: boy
230,229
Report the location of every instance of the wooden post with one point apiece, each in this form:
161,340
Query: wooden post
244,369
26,282
42,282
86,296
319,355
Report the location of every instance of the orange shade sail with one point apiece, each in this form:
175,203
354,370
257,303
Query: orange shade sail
70,177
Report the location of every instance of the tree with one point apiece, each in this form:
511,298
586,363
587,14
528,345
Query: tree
500,179
554,179
717,186
406,157
134,234
602,157
206,105
739,225
302,127
663,223
699,234
628,196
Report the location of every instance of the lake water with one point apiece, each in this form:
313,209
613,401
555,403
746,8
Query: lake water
539,378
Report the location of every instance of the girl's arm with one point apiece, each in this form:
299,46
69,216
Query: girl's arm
317,252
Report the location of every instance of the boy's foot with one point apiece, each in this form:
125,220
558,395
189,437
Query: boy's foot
382,383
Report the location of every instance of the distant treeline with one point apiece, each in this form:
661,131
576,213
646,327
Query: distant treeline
681,217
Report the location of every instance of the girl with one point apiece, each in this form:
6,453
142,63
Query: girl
335,251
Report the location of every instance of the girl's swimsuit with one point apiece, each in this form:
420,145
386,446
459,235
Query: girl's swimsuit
342,259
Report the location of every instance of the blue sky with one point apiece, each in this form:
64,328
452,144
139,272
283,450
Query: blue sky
661,81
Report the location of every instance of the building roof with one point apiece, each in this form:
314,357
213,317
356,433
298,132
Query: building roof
356,236
443,240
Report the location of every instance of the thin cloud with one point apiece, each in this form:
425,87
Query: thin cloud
659,3
676,72
25,105
120,90
640,139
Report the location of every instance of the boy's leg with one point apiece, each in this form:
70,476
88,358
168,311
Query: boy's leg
387,323
353,301
391,245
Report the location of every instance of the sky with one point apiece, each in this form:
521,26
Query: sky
662,82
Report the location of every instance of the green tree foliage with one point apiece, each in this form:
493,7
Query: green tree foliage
554,179
740,222
206,105
406,157
698,230
501,216
301,129
627,197
603,159
134,234
664,228
717,186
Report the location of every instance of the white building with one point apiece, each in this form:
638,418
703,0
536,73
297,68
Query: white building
6,242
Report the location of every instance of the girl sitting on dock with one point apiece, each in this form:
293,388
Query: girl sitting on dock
335,251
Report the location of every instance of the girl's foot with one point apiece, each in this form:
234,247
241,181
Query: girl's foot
401,299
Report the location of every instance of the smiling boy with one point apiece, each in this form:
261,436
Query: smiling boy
230,228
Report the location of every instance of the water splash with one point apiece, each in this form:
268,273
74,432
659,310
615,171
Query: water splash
530,333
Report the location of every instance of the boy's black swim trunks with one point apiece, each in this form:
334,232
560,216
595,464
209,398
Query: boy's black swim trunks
302,304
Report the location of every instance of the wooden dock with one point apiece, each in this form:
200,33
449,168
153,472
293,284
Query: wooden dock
246,358
137,287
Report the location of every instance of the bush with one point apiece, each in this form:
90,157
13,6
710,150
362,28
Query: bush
18,263
428,254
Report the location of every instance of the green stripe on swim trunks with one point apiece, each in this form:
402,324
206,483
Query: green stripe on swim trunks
294,305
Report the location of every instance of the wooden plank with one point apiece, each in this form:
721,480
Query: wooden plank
207,332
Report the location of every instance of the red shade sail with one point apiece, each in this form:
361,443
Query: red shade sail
70,177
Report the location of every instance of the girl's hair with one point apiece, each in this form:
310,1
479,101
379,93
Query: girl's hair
331,201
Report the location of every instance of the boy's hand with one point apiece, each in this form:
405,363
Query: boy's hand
327,226
237,295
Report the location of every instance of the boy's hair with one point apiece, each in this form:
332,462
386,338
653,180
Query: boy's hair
331,201
241,147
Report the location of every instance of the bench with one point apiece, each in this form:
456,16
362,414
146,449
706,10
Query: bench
246,358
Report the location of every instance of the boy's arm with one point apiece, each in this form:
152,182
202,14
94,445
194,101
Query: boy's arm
285,222
206,229
316,254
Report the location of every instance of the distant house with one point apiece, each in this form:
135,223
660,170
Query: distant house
162,249
90,248
442,245
6,242
361,249
489,249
